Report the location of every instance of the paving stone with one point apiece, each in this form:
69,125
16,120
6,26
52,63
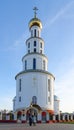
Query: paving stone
54,126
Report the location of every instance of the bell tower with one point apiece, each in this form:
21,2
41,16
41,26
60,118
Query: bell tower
34,83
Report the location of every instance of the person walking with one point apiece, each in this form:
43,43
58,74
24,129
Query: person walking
30,119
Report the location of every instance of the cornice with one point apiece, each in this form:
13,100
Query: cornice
37,71
34,37
32,53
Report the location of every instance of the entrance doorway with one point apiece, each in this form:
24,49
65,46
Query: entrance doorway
19,114
31,111
43,116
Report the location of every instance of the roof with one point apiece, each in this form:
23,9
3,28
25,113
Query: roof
35,21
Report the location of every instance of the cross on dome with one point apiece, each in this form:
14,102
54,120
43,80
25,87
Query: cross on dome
35,9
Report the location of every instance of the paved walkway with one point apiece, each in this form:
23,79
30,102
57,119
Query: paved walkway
55,126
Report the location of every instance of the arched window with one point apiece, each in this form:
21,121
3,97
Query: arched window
29,45
34,63
34,49
19,85
34,43
35,33
20,99
40,44
25,64
34,100
28,51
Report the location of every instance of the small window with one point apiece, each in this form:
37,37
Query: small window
19,85
40,44
28,51
34,49
25,64
20,99
34,43
34,100
35,33
34,63
29,45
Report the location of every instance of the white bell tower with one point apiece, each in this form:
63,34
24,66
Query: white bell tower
34,84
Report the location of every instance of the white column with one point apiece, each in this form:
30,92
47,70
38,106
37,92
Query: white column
39,117
53,117
47,117
59,117
15,116
63,117
67,117
1,116
7,117
71,117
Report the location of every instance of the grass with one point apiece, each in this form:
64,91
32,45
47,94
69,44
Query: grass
70,122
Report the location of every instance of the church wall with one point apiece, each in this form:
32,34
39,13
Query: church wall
39,61
38,41
37,85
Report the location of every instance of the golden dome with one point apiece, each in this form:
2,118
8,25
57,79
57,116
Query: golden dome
35,21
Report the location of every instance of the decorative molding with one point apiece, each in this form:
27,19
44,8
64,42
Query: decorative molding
31,70
32,53
35,38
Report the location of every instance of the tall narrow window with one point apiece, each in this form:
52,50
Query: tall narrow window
35,33
34,63
25,64
29,45
34,43
34,100
19,85
28,51
20,99
34,49
40,44
43,64
49,85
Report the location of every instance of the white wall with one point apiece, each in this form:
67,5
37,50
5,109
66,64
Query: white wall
34,84
39,61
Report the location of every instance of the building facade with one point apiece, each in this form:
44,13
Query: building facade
34,84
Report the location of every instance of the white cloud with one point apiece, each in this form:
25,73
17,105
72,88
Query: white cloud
59,14
18,44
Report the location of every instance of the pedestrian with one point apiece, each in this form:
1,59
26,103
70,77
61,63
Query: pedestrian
30,119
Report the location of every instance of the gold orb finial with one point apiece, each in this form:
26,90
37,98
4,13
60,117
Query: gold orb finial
35,20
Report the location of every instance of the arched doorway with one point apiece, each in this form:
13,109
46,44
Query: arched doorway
31,111
43,116
19,114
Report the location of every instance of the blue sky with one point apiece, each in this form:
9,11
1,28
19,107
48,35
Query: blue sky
58,34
